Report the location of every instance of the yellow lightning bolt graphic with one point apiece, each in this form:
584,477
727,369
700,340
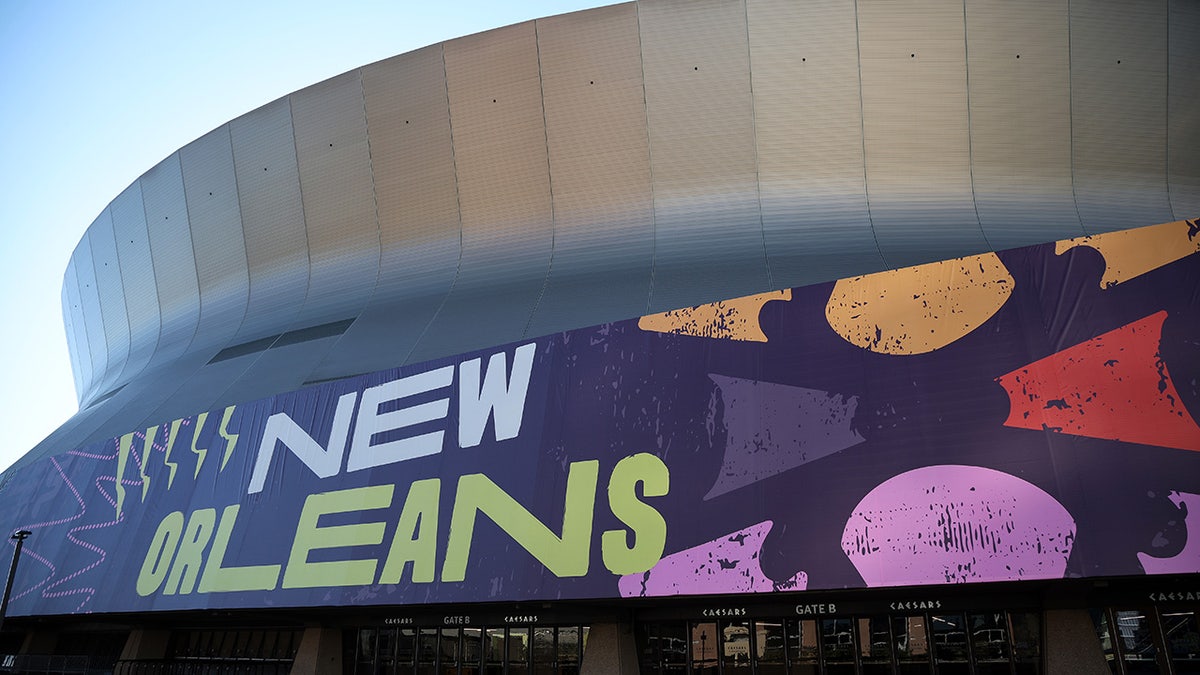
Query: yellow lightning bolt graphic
203,452
230,439
174,466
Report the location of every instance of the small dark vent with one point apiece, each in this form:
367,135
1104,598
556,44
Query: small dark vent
314,333
243,349
323,380
105,397
292,337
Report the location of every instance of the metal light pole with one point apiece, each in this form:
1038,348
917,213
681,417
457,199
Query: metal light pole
20,536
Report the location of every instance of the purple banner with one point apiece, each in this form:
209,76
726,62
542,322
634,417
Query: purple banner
1027,414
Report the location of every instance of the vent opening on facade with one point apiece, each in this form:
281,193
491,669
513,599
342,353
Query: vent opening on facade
105,397
282,340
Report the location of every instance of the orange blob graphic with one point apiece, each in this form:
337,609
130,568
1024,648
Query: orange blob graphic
916,310
735,319
1131,253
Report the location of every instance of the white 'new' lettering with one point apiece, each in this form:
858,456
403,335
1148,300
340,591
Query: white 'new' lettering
324,462
505,401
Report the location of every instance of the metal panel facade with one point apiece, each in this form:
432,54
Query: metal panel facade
1183,100
1018,63
339,203
594,97
1119,116
173,258
111,298
916,132
708,227
809,140
499,134
416,197
616,161
264,154
218,243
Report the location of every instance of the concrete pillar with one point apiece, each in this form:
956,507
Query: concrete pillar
610,650
320,652
1072,645
146,644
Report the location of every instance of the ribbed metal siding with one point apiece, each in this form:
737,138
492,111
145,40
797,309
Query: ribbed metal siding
173,258
106,266
600,169
915,123
218,242
77,346
89,302
748,106
1018,63
808,123
1183,100
708,228
264,155
1119,116
503,191
137,277
339,202
416,195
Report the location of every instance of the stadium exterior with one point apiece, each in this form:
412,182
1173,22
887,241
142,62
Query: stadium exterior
709,336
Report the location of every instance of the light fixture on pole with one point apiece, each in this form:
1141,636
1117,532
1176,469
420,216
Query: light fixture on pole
19,536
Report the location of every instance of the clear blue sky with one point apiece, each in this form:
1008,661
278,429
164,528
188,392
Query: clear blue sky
92,94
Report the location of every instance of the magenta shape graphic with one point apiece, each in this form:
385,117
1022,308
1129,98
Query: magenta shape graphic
957,524
775,427
728,564
1186,561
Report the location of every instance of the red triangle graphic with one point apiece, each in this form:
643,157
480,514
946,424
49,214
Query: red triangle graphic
1114,386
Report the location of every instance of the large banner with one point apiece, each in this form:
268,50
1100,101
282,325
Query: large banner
1027,414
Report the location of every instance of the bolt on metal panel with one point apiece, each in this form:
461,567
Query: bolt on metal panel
416,195
1018,64
599,169
808,138
113,317
174,261
77,344
1183,100
137,278
497,122
264,155
1118,113
708,225
218,242
915,121
334,161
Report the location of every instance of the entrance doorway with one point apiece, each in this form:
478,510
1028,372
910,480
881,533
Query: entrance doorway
949,643
467,650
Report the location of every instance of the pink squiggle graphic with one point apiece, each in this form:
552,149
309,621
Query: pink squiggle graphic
49,523
49,592
92,455
28,552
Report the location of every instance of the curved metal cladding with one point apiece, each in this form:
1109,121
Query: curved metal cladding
599,165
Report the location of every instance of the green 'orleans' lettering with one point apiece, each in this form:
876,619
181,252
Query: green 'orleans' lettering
309,537
645,524
565,556
217,578
190,556
177,552
409,544
160,554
